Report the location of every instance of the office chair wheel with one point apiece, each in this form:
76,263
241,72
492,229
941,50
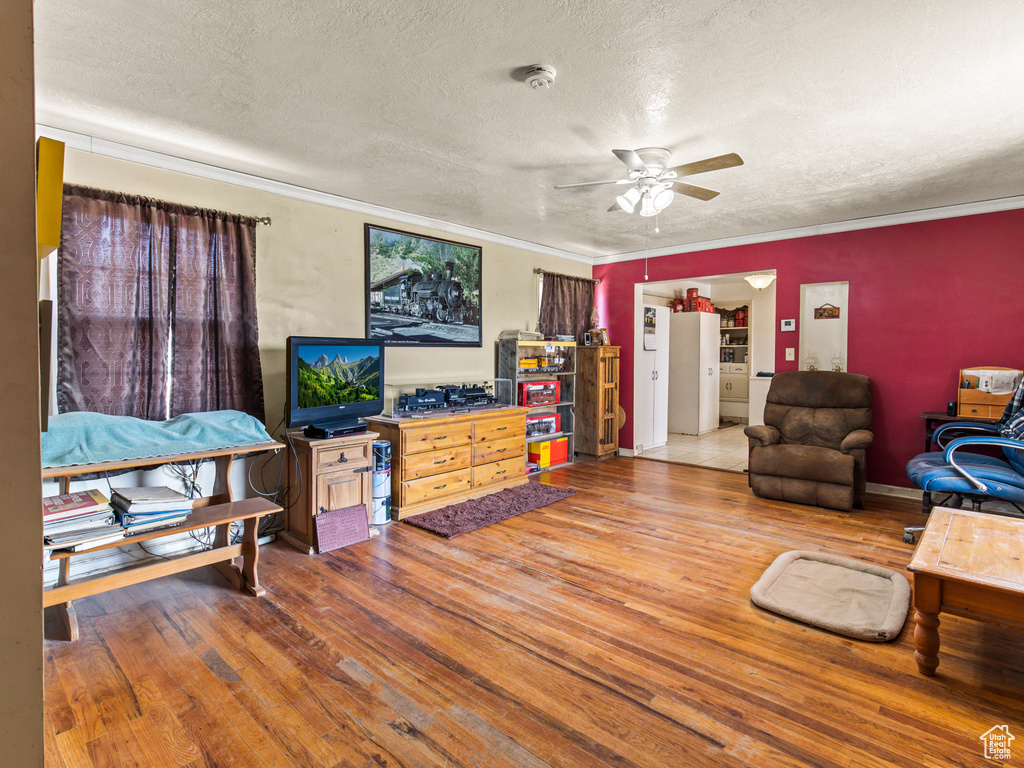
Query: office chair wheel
908,537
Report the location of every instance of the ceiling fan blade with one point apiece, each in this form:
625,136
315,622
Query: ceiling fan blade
691,191
711,164
631,159
592,183
616,207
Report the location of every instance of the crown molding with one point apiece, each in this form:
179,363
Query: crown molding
113,149
850,225
86,143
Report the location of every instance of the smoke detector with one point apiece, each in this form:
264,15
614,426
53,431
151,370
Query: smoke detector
540,76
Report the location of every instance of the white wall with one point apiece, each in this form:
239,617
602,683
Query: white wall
21,525
310,274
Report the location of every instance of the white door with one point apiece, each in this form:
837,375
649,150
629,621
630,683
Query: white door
650,427
659,426
708,367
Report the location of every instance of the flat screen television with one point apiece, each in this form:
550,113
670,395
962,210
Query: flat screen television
333,383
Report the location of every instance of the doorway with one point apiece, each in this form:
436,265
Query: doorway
724,447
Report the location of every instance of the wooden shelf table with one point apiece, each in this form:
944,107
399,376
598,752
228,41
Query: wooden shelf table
237,562
967,564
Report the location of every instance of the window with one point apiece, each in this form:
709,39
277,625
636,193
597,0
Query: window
156,308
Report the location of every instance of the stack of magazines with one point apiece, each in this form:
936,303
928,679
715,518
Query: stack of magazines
143,508
79,520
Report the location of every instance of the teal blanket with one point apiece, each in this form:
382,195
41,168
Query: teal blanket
88,438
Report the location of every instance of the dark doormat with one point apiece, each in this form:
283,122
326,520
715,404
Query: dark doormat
476,513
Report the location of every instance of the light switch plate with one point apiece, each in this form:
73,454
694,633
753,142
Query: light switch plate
790,353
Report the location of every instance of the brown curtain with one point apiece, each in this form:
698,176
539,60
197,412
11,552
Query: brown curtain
566,305
215,342
156,308
113,291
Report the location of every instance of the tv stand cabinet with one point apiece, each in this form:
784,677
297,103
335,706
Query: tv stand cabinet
333,473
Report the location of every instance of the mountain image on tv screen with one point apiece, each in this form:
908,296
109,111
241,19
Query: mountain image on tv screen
350,378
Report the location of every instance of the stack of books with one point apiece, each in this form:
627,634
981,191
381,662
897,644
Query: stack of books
79,520
140,509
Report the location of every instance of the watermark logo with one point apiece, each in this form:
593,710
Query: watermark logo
997,741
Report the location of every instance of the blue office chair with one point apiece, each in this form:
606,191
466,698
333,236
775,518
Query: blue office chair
963,475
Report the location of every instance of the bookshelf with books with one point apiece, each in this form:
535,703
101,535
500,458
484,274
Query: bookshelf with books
235,557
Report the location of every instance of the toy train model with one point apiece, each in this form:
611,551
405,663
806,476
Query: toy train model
447,397
433,296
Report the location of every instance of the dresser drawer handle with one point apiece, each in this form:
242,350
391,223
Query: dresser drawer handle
441,437
501,429
502,472
442,461
342,459
501,450
439,487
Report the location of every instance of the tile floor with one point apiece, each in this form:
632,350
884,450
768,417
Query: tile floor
723,449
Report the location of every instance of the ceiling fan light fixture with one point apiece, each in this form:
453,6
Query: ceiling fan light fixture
663,198
647,207
760,281
627,200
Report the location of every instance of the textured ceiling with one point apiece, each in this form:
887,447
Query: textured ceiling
839,110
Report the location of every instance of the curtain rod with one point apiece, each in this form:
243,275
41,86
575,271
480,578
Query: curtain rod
540,271
263,220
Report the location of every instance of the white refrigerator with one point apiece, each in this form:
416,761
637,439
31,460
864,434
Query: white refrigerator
651,386
694,340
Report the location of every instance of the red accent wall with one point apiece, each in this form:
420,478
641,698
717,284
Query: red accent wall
926,299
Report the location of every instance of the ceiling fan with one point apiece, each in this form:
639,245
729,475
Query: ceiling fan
653,184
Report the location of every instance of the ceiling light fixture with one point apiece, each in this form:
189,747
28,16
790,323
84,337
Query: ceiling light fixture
760,281
628,200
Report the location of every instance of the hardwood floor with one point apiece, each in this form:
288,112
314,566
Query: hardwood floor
613,628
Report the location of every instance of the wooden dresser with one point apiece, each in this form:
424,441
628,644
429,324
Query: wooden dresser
335,473
440,460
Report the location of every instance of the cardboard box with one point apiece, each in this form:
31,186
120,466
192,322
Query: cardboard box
547,453
539,392
543,424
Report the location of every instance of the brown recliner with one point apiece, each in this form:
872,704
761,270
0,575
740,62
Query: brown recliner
810,449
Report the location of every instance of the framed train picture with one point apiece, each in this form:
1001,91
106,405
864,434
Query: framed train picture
421,290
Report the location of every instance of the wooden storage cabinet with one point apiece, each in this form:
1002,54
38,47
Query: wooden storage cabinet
972,401
734,381
333,473
597,401
444,459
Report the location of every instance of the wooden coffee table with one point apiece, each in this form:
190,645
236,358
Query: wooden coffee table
969,564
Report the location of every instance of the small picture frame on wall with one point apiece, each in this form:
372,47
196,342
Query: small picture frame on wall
787,325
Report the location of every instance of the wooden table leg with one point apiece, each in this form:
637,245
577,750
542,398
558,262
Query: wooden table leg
67,610
927,606
229,568
926,642
250,556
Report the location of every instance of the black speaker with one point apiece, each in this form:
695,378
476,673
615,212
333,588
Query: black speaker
951,408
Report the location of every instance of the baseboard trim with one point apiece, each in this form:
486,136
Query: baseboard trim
893,490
